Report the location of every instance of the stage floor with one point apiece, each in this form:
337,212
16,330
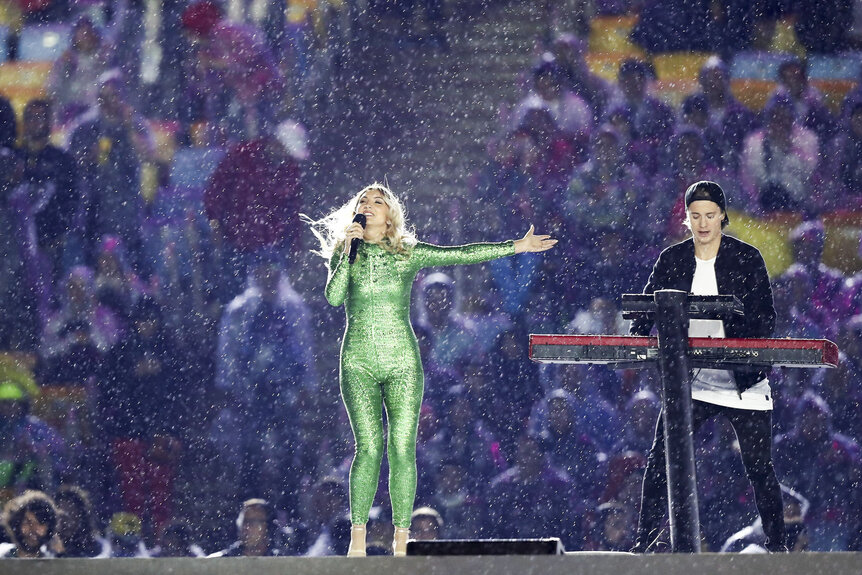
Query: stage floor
570,564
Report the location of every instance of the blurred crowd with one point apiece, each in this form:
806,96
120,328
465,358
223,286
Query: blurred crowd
168,385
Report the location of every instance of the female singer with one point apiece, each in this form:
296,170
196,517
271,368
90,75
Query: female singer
380,362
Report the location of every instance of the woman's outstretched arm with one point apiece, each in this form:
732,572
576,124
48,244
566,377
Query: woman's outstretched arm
428,255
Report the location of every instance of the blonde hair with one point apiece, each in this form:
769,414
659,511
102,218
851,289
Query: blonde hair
329,230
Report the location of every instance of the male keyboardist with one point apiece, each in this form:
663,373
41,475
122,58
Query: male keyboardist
712,263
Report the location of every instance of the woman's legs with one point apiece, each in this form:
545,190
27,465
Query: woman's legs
402,395
363,399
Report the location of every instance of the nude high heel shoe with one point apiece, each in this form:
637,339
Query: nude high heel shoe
357,541
399,543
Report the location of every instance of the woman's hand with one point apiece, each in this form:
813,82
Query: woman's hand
354,230
533,243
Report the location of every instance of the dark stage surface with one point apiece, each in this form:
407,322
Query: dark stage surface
571,564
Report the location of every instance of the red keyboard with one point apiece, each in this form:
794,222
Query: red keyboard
638,351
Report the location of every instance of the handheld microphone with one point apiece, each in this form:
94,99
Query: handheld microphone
354,243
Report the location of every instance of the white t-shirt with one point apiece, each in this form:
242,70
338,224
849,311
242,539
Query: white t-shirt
718,386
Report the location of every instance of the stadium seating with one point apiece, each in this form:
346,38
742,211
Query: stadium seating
771,236
784,39
4,34
43,42
611,34
607,64
677,74
756,65
834,92
754,76
847,66
835,76
843,238
752,92
20,82
10,15
65,408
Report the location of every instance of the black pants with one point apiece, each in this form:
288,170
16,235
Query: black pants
754,432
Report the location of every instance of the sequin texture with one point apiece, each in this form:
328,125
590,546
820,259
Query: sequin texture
380,365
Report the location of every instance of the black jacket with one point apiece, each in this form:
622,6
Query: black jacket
739,271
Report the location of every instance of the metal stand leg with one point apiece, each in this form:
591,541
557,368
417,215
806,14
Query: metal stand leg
672,323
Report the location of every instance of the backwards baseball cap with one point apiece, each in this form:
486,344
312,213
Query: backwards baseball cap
709,191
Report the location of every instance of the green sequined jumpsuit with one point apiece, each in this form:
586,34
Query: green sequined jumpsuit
380,365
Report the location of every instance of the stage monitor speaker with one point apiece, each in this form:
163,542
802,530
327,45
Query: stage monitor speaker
548,546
